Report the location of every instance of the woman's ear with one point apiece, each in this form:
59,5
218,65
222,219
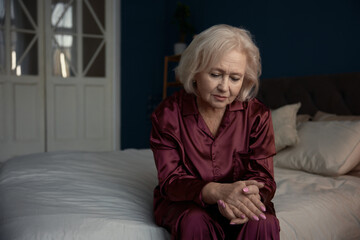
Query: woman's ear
194,83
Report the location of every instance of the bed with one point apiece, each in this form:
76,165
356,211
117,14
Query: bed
108,195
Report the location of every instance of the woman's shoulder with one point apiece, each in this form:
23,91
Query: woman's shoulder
256,108
168,111
170,105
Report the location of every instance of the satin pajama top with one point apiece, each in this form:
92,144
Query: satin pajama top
188,156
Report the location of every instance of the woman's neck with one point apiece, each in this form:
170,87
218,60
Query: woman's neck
208,111
212,117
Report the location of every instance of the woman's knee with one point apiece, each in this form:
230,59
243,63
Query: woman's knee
196,223
261,229
194,218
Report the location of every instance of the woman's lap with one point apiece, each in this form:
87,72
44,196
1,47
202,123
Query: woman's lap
186,220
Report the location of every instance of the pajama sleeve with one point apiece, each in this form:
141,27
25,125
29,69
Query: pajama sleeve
261,150
176,181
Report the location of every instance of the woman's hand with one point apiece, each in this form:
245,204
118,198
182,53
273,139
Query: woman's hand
224,209
243,198
233,214
238,201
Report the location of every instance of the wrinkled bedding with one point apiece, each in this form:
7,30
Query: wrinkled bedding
108,195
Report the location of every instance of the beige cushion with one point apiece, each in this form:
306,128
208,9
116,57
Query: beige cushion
323,116
301,118
284,123
329,148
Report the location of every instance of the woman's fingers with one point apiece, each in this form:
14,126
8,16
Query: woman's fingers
233,214
255,198
225,210
242,214
237,212
240,198
254,182
252,189
238,221
252,192
249,208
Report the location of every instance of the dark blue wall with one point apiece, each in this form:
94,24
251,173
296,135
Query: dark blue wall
142,53
295,38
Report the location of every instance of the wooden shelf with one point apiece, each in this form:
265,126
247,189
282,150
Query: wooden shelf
176,83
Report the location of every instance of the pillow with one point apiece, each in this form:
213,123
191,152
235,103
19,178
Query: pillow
323,116
328,148
284,123
355,171
300,118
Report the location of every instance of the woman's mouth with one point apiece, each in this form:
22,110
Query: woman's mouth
220,98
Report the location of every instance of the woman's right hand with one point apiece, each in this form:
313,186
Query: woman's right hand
229,214
238,201
235,215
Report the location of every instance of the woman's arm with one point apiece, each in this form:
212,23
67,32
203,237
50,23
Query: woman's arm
263,171
259,163
176,182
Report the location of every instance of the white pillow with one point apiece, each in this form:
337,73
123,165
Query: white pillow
328,148
324,116
284,123
355,171
300,118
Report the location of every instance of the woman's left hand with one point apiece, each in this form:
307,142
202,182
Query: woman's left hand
232,212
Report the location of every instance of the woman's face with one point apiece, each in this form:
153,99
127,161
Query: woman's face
220,84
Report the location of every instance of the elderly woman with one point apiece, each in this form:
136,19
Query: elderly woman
213,144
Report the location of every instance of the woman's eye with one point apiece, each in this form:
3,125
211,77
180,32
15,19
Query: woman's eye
215,75
235,79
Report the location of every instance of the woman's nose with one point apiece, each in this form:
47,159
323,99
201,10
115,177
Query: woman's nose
223,85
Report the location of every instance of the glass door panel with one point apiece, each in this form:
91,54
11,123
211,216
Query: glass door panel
23,14
64,38
98,7
94,59
62,16
24,53
92,23
64,52
93,38
23,38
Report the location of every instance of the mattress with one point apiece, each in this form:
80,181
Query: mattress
79,195
108,195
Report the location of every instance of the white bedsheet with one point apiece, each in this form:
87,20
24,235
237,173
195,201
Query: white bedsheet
310,206
77,195
80,195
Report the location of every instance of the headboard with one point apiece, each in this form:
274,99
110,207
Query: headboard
335,93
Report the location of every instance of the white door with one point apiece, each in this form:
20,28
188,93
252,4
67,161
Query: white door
22,127
56,75
79,75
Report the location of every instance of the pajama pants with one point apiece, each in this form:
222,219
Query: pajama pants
186,220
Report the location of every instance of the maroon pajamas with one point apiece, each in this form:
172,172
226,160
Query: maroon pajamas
188,157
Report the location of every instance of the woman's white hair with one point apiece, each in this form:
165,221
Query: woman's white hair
212,44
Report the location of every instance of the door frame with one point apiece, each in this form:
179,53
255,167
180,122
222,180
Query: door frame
117,74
